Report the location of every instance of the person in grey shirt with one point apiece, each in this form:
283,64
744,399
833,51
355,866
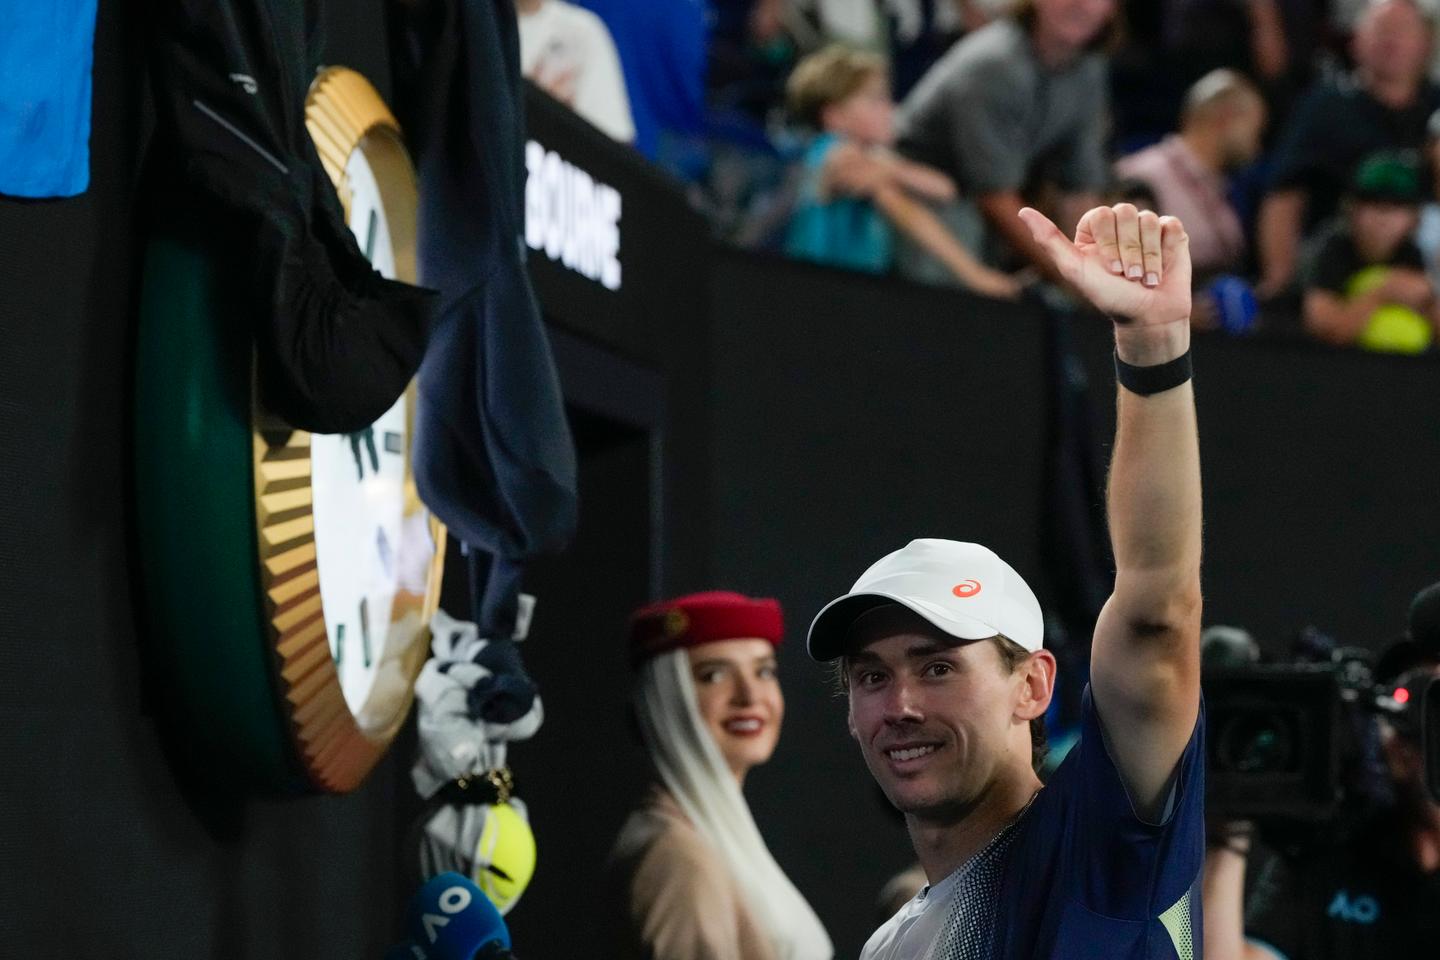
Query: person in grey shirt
1017,105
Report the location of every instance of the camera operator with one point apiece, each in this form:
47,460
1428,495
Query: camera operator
1367,890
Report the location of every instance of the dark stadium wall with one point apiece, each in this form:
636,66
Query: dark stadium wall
1321,467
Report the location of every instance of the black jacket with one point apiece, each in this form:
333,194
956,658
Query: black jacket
337,343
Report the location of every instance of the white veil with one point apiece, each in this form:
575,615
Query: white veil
692,769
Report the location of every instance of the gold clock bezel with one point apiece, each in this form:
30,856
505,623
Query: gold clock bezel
336,746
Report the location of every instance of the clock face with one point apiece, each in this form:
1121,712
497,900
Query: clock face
358,482
369,553
366,213
350,559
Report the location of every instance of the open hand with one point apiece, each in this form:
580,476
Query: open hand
1130,264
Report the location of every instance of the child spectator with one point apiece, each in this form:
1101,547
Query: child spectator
1384,105
568,53
1366,284
856,190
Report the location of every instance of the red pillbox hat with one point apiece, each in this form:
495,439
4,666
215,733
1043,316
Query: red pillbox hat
700,618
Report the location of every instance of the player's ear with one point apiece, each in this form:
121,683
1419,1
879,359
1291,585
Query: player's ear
1037,685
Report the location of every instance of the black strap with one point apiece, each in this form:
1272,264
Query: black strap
1146,381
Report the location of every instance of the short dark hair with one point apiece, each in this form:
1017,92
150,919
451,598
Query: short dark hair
1011,656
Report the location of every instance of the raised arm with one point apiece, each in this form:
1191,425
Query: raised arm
1145,661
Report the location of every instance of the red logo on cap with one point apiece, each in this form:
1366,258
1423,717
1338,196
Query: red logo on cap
966,589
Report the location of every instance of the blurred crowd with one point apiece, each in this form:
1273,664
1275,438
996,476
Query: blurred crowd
1298,140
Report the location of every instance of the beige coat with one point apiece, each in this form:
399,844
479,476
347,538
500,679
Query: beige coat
679,901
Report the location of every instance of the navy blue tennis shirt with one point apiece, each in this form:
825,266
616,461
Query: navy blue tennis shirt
1086,877
1078,875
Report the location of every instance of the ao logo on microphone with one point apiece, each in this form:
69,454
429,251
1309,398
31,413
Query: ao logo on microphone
966,588
571,216
452,901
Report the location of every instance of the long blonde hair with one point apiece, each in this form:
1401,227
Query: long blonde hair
694,772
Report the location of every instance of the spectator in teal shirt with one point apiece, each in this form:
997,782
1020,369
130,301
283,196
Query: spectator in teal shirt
856,192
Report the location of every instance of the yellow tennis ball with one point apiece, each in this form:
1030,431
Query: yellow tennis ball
1395,329
504,856
1392,328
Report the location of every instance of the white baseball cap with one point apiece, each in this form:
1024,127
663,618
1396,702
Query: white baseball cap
963,589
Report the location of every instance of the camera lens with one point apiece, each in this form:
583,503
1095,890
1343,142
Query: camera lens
1260,742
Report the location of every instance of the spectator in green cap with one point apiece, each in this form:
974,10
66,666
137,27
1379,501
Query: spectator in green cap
1366,283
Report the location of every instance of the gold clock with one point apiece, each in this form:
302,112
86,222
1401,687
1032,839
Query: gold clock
350,559
290,576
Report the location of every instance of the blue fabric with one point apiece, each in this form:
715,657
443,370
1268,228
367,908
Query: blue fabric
1085,878
662,53
839,232
46,50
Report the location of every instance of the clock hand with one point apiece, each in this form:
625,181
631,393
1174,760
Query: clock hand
370,231
370,444
339,651
368,436
355,450
365,630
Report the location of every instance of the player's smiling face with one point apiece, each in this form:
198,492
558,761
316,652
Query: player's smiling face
934,716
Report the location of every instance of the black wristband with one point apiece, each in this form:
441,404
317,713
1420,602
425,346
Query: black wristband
1145,381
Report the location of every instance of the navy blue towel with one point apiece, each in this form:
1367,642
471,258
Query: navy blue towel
494,456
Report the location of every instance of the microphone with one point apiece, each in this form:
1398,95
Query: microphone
450,918
1425,620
